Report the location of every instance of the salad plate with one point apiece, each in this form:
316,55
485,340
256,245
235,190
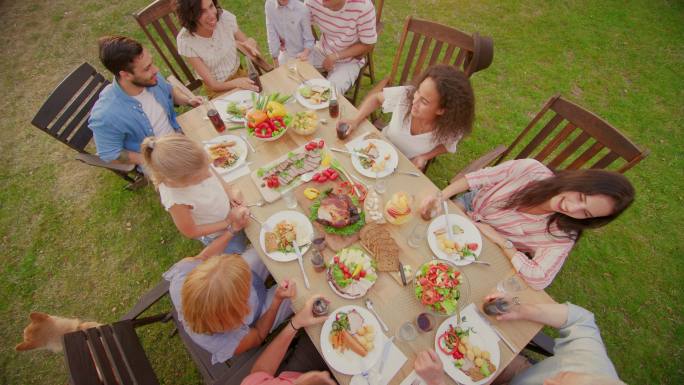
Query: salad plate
466,245
277,225
314,94
441,287
481,359
351,340
352,273
385,158
227,152
240,100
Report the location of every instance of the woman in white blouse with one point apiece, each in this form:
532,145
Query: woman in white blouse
208,40
429,118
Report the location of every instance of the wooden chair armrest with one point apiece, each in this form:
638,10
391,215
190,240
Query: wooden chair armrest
181,87
258,61
147,300
481,162
542,344
94,160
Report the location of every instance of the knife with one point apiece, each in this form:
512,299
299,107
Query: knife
301,262
450,231
402,274
385,354
497,331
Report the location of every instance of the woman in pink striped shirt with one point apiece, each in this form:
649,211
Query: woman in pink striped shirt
536,215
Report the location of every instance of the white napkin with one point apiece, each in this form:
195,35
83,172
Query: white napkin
355,142
393,364
413,376
236,173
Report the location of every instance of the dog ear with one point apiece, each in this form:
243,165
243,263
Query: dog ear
38,316
26,345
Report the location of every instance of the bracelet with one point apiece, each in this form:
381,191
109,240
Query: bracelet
229,228
293,327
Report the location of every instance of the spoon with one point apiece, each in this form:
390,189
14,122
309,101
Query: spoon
258,203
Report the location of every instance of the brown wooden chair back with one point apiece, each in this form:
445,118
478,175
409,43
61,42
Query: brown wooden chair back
161,26
564,135
65,113
433,43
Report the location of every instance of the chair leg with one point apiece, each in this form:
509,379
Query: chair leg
371,69
140,182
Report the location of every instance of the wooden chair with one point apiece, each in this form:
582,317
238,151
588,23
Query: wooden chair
564,135
65,113
160,24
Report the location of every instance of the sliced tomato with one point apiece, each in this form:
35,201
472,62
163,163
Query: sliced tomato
430,296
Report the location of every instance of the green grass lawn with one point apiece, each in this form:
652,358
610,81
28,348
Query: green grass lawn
75,244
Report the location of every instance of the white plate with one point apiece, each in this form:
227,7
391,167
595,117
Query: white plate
304,233
481,336
328,277
470,234
240,97
305,102
385,149
240,148
349,362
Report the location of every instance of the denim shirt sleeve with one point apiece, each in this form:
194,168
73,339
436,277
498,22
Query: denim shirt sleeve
109,139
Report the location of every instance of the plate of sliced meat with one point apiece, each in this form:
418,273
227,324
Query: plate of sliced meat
286,171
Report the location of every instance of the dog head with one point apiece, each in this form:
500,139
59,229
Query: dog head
46,331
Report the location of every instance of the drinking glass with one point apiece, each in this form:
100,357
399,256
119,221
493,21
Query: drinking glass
380,185
426,322
407,332
510,285
437,208
289,199
417,235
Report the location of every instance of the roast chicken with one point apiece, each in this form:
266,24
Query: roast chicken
337,211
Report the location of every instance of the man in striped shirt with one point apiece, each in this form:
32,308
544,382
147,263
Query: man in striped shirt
347,33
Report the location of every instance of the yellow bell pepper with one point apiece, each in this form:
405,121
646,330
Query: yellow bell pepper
357,270
275,110
311,193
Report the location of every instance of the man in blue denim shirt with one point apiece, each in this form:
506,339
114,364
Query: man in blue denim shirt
138,103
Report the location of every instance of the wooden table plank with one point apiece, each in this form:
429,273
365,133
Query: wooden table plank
395,303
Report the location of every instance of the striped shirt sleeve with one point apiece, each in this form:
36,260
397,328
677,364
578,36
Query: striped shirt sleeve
492,175
366,27
540,271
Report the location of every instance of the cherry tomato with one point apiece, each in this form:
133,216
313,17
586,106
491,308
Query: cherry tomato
473,246
321,143
336,259
322,178
334,175
362,273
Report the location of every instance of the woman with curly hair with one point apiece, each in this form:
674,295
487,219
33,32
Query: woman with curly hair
428,118
208,40
535,214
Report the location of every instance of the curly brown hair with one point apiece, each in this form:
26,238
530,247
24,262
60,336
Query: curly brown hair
189,12
457,99
586,181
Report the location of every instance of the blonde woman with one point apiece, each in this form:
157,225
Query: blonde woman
223,306
202,205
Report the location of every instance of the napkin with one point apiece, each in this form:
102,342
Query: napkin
236,173
413,376
395,361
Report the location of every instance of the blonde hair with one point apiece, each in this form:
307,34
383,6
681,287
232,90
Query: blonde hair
215,295
173,158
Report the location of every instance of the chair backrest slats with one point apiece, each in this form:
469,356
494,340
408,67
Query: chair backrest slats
606,160
80,105
136,360
539,138
586,156
117,360
569,150
555,142
170,25
442,39
100,357
418,69
81,119
80,364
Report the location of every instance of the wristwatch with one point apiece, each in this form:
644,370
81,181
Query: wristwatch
508,244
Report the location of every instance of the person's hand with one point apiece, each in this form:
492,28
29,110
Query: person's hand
491,233
426,206
244,84
419,161
251,46
429,367
305,317
236,197
304,55
286,289
314,378
329,62
238,217
514,312
195,101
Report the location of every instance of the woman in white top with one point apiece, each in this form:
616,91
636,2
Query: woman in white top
202,205
208,40
428,118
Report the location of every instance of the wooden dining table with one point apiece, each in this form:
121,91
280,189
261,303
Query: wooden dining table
395,303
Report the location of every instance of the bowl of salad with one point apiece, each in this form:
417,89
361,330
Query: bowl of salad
440,286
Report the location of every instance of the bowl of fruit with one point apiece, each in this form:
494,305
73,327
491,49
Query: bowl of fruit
268,119
398,208
305,122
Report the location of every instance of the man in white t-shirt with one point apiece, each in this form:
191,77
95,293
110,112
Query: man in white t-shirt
138,103
347,33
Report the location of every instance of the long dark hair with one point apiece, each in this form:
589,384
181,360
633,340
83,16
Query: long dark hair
455,97
587,181
189,11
